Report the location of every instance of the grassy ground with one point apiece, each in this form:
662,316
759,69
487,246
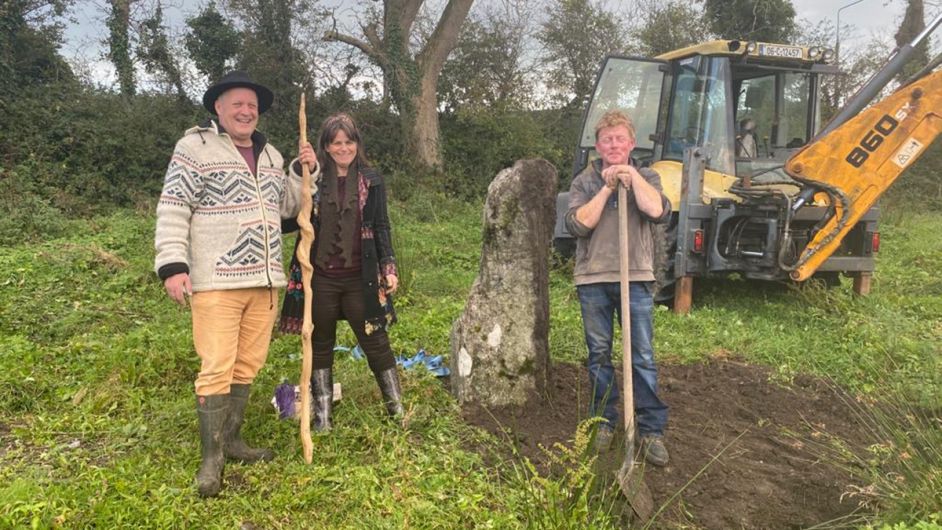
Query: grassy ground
97,426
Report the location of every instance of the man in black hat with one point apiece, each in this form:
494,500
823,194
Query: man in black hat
218,243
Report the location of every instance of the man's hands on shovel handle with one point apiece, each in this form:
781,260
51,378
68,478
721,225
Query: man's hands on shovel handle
178,287
623,173
647,197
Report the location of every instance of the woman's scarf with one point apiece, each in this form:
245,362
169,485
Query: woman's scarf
338,217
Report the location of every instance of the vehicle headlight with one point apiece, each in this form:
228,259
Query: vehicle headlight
828,55
814,52
751,47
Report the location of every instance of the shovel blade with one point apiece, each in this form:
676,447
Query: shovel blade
633,487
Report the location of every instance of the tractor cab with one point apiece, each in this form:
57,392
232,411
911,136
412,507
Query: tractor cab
747,106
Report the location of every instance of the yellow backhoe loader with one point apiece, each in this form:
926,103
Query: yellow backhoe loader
759,186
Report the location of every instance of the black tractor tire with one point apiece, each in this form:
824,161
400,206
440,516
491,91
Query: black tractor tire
665,247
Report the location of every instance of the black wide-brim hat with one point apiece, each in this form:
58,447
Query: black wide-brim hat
237,79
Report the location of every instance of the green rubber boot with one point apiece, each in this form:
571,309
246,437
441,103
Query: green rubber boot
212,411
235,447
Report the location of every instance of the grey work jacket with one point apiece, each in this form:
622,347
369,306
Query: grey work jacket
597,256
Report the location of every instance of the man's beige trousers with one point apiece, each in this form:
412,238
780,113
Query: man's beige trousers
231,332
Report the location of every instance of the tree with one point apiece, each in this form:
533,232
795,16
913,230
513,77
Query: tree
667,26
119,44
484,70
411,73
211,42
833,88
34,81
857,64
763,20
30,35
269,53
154,52
576,36
914,22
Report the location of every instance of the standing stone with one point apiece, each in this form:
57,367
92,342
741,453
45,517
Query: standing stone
500,343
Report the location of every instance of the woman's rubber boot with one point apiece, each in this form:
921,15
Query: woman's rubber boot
234,446
322,388
212,411
388,381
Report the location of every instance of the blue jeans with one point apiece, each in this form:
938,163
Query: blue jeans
600,302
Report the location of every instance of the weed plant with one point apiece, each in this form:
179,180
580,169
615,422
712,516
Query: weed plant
569,494
898,472
934,523
903,468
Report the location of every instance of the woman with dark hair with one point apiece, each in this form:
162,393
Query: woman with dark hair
354,267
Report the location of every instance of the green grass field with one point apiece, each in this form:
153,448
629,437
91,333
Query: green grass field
97,422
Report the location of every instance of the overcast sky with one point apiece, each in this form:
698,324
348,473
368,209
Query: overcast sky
870,18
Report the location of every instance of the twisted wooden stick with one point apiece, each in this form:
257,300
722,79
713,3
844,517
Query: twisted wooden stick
304,258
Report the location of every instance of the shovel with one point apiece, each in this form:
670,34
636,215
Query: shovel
630,479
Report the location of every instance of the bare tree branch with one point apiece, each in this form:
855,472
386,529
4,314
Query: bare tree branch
410,10
372,35
410,80
363,46
444,37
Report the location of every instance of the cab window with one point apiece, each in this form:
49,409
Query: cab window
699,113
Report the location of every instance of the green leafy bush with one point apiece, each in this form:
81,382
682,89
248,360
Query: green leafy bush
576,497
92,149
26,209
479,145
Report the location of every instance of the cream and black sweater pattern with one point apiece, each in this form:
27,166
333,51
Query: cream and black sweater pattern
219,222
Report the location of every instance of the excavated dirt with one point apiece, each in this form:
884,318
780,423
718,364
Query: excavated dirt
770,468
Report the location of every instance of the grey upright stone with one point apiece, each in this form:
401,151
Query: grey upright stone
500,343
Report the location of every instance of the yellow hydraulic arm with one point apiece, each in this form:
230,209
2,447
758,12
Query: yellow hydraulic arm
857,161
860,153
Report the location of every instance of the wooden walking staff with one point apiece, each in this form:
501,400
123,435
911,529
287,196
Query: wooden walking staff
304,258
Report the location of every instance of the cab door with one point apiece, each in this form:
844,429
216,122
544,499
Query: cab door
634,85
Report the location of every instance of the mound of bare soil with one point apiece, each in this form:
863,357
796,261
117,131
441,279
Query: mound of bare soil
770,472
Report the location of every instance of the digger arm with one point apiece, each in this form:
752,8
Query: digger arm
858,160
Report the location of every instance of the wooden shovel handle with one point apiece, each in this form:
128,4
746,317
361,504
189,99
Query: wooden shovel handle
624,277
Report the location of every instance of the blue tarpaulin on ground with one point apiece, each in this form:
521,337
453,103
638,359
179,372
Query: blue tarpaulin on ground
432,363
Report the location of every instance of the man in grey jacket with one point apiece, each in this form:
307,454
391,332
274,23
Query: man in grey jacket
593,219
218,242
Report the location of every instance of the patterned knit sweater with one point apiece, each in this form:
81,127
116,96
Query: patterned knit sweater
219,222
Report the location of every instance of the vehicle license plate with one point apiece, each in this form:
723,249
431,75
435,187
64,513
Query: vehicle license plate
775,50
